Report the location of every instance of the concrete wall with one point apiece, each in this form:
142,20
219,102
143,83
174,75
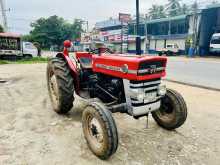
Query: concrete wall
152,44
132,47
208,24
160,44
194,22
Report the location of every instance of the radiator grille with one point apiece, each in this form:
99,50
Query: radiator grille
150,86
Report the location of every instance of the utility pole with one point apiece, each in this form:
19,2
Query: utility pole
146,34
195,28
87,26
138,38
4,17
122,36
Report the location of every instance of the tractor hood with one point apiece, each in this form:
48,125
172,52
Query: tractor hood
131,67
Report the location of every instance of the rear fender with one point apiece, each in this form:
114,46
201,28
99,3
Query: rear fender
73,69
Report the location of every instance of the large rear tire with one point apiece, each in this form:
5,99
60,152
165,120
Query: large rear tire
60,85
100,130
173,111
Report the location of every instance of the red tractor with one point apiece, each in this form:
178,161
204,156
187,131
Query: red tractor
112,83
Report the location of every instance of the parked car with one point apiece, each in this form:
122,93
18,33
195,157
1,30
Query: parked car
169,50
215,44
29,50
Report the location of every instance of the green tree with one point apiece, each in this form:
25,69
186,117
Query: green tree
53,31
27,37
153,12
174,8
156,11
1,29
77,28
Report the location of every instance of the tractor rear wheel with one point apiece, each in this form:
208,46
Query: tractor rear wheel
173,111
100,130
60,85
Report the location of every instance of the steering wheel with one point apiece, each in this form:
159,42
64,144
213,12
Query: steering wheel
96,51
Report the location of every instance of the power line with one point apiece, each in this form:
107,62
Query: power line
17,28
21,19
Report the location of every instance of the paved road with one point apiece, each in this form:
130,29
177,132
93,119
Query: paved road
198,71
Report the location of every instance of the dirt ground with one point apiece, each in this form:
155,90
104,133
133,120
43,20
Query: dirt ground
32,134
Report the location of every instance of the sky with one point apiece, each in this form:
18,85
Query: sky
23,12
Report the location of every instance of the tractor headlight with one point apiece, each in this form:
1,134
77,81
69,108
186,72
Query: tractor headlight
162,90
137,94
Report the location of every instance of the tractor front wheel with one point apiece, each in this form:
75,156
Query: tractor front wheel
173,111
100,130
60,85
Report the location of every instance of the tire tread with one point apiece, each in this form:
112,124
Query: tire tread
181,112
65,83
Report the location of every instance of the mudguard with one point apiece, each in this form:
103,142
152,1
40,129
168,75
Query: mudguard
73,69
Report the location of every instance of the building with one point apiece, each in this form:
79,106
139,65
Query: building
132,31
113,32
186,32
158,33
209,24
162,32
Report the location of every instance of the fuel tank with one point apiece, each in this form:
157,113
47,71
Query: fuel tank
131,67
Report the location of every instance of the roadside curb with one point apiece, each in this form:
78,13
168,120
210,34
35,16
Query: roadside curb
192,85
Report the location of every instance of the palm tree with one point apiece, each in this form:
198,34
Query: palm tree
173,7
195,7
184,9
161,12
214,2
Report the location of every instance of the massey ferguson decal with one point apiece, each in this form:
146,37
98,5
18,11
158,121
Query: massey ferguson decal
123,69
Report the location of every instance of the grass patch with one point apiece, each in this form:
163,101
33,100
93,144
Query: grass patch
33,60
3,62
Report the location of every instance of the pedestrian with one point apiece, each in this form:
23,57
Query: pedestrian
38,48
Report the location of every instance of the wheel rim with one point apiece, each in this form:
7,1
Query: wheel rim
95,131
54,90
167,110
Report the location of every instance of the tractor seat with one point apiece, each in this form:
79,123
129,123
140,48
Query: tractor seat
86,63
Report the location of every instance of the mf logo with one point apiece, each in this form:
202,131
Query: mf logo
153,69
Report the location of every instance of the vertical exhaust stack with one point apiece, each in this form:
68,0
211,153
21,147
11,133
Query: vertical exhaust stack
138,38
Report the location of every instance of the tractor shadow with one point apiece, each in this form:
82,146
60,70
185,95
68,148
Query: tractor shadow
76,112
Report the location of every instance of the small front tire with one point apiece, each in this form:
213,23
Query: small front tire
100,130
173,111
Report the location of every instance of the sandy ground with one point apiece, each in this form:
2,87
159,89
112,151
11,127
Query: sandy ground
32,134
